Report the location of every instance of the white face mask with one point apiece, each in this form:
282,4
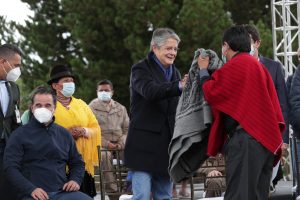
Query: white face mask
68,89
252,51
104,96
43,115
224,59
13,74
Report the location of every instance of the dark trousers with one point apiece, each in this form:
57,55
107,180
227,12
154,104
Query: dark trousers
2,178
7,192
64,196
88,185
248,168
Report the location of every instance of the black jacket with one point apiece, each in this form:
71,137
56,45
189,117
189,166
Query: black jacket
276,71
294,102
36,156
9,122
153,102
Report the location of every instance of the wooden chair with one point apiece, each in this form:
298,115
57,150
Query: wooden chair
198,182
118,170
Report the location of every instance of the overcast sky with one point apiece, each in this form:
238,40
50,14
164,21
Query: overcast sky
14,10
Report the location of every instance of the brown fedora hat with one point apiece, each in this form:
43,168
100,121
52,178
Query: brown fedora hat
60,71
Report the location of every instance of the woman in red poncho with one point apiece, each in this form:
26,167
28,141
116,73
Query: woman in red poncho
247,113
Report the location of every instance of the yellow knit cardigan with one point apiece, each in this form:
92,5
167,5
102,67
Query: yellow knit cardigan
79,114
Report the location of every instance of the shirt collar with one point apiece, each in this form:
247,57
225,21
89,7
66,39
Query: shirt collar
35,121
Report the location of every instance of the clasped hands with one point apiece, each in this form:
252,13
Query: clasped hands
77,132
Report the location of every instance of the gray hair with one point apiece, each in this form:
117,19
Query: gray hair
160,35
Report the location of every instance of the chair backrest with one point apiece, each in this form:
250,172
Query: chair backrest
199,181
112,171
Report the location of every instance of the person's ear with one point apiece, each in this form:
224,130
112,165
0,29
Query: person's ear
54,107
225,48
54,86
257,44
31,109
2,61
155,48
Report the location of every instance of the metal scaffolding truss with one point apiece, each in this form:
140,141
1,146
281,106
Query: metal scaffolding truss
285,30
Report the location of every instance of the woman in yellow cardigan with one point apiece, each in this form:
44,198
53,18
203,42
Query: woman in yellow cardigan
75,115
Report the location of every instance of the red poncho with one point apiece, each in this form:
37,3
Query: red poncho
244,90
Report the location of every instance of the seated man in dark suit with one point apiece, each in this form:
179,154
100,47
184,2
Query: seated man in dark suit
37,155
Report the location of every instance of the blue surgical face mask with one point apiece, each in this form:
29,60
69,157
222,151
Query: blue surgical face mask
104,96
252,51
224,59
68,89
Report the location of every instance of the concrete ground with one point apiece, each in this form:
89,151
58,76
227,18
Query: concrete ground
283,191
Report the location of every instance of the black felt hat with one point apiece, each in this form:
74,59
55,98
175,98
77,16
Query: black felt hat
59,71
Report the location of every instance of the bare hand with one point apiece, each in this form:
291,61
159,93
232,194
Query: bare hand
184,80
284,146
71,186
77,132
203,62
214,173
112,146
85,132
39,194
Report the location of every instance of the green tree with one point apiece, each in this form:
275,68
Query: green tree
256,12
117,33
104,38
7,31
242,12
200,24
266,47
10,35
46,42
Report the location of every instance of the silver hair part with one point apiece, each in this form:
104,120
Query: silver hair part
160,35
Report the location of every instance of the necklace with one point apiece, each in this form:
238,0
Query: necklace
65,101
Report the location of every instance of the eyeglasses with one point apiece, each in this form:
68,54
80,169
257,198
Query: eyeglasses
171,48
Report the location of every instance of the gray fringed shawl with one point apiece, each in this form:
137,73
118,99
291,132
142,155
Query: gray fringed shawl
188,146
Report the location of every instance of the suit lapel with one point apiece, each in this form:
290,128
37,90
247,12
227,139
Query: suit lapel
159,75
